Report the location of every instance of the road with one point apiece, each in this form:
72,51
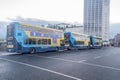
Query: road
94,64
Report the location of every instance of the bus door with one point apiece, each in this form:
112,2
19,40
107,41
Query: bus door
91,41
68,42
10,38
67,39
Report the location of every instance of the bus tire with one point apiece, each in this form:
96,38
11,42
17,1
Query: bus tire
32,51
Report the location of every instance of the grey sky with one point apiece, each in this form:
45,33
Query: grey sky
57,10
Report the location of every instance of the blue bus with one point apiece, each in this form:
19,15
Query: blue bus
26,38
81,41
95,42
76,40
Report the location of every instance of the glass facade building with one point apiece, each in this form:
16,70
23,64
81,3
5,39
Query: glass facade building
96,18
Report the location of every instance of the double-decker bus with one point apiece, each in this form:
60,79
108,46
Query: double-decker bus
24,38
81,41
76,40
95,42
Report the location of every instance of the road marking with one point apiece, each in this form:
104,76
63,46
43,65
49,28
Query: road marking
117,69
7,53
59,59
44,69
82,61
97,57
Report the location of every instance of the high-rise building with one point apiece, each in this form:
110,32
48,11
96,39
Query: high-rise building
96,18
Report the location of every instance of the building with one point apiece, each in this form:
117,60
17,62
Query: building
2,40
112,42
2,44
96,18
116,40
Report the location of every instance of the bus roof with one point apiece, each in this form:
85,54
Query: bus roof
30,25
97,37
80,34
84,34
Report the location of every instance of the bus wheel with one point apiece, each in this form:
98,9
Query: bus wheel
32,51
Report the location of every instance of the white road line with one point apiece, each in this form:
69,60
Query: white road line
107,67
97,57
82,61
44,69
59,59
5,53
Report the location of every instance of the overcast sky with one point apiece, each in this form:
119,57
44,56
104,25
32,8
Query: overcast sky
55,10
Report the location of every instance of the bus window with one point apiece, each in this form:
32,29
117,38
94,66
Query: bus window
76,42
67,38
44,41
97,43
33,41
30,41
10,38
9,42
49,42
62,42
79,42
39,41
26,41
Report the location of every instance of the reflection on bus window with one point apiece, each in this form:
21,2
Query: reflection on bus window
62,42
79,42
38,41
49,41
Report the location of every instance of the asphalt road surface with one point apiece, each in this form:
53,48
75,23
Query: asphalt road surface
94,64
